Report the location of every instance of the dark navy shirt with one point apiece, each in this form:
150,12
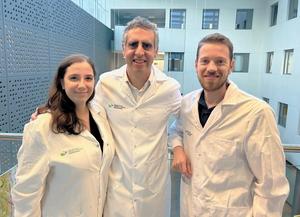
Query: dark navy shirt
203,111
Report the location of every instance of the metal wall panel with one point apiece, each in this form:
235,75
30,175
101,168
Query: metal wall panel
70,31
34,37
25,94
4,126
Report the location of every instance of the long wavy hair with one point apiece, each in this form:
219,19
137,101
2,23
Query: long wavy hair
62,109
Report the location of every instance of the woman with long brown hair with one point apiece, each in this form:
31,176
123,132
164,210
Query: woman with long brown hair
66,152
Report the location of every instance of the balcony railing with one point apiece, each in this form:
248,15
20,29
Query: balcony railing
10,143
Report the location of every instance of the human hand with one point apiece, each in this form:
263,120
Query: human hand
34,115
181,162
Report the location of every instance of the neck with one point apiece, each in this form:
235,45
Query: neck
82,113
213,98
81,110
139,79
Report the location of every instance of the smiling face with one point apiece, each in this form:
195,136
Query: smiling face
78,82
213,66
139,51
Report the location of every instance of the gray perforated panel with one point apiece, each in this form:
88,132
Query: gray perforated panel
71,31
25,94
31,13
8,154
34,37
26,37
4,127
2,55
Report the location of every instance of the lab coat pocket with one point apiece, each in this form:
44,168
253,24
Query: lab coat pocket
221,154
157,173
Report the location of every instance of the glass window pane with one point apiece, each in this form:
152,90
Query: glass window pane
282,115
210,19
269,62
288,61
175,61
293,9
241,62
244,19
177,18
274,12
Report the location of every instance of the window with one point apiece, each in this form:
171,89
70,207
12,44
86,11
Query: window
177,18
267,100
241,62
282,116
244,19
274,12
288,61
210,19
175,62
293,9
269,62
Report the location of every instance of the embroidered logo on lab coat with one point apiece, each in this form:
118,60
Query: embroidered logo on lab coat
70,151
115,106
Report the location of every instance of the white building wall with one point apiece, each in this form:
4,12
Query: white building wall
256,41
276,86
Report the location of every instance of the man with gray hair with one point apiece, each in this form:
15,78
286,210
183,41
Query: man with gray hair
138,99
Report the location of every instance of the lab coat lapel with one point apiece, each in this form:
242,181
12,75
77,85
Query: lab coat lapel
195,113
213,119
150,92
154,85
126,90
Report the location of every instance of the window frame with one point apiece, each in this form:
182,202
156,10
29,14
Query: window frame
250,13
273,21
290,14
270,57
183,25
172,64
282,114
247,62
266,99
287,65
204,19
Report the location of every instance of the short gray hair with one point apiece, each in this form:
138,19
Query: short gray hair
143,23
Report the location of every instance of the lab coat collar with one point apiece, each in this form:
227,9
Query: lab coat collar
100,118
231,97
156,77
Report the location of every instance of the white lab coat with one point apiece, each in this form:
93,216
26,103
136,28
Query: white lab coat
237,158
62,175
139,183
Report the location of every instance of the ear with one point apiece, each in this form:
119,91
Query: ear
196,64
123,49
156,52
232,64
